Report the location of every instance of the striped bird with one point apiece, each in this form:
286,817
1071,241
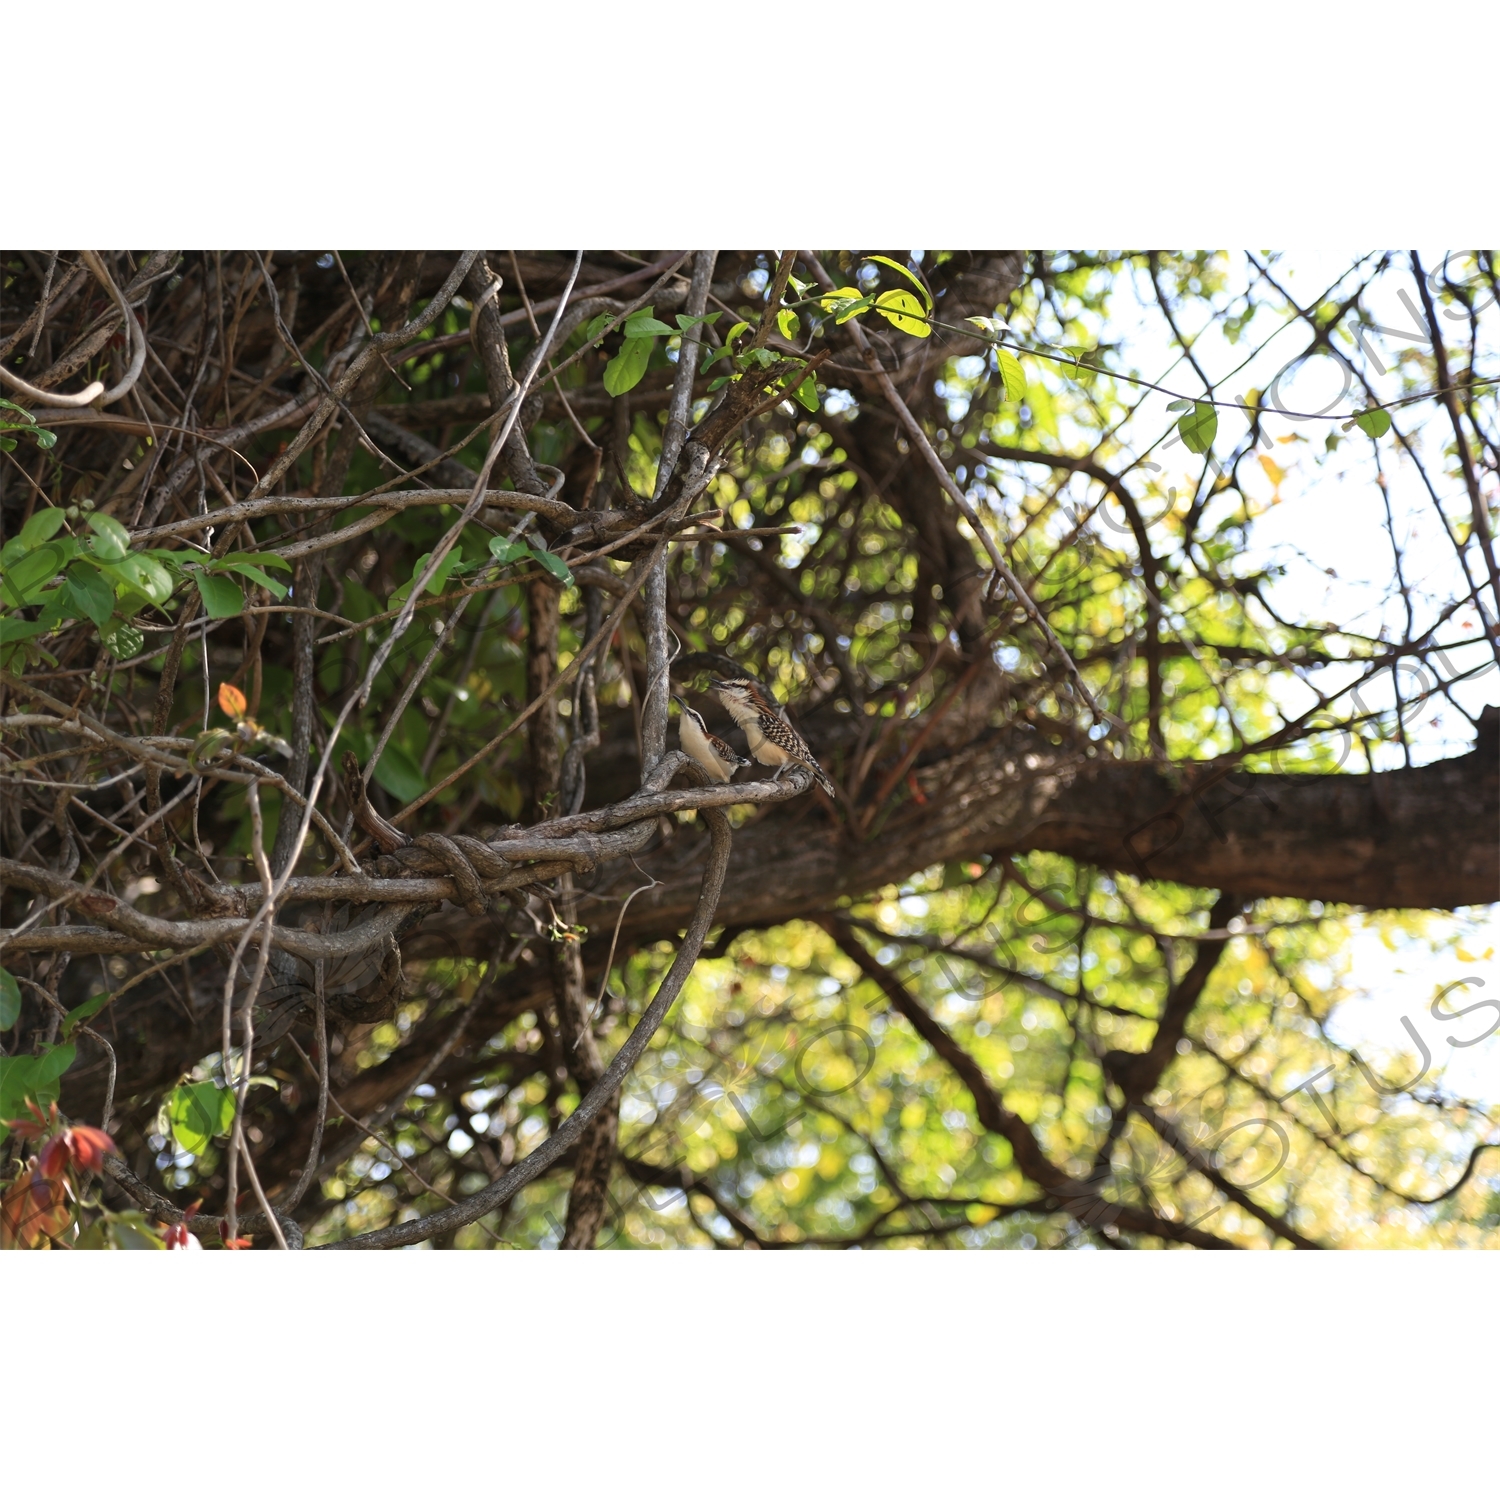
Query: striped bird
719,759
772,741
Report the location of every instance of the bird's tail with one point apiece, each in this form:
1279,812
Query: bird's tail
824,780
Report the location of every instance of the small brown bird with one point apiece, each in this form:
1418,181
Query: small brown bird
719,759
772,741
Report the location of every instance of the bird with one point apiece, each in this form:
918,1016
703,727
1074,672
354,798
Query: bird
720,759
772,741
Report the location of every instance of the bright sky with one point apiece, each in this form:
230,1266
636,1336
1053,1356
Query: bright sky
1328,529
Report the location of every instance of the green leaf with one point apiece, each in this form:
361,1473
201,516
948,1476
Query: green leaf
722,380
254,574
1198,427
126,641
435,584
222,599
807,393
44,438
55,609
42,527
25,579
15,629
198,1112
1179,405
1375,423
238,559
553,564
128,1231
686,324
787,323
504,550
643,326
10,1000
112,541
844,302
91,595
90,1007
922,291
624,371
1012,374
595,326
144,574
399,774
23,1078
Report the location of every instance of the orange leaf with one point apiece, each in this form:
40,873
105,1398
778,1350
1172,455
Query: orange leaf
33,1210
232,700
1274,472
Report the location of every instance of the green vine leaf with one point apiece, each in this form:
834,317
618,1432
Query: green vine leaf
643,326
198,1112
10,1000
125,642
1198,427
1012,374
896,266
38,1078
90,1007
92,597
111,540
553,564
222,599
624,371
901,310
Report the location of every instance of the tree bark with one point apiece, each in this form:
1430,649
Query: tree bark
1424,837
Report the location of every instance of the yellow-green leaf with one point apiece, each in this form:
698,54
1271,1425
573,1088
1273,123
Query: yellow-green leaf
895,265
1012,374
903,311
199,1112
1198,427
844,302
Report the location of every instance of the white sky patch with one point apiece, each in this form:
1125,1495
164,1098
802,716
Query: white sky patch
1391,984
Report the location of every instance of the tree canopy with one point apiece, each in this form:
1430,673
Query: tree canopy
1140,606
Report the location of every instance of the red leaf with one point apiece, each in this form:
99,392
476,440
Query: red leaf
55,1156
90,1146
35,1128
232,700
177,1235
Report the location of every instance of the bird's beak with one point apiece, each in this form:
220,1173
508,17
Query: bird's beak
717,683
